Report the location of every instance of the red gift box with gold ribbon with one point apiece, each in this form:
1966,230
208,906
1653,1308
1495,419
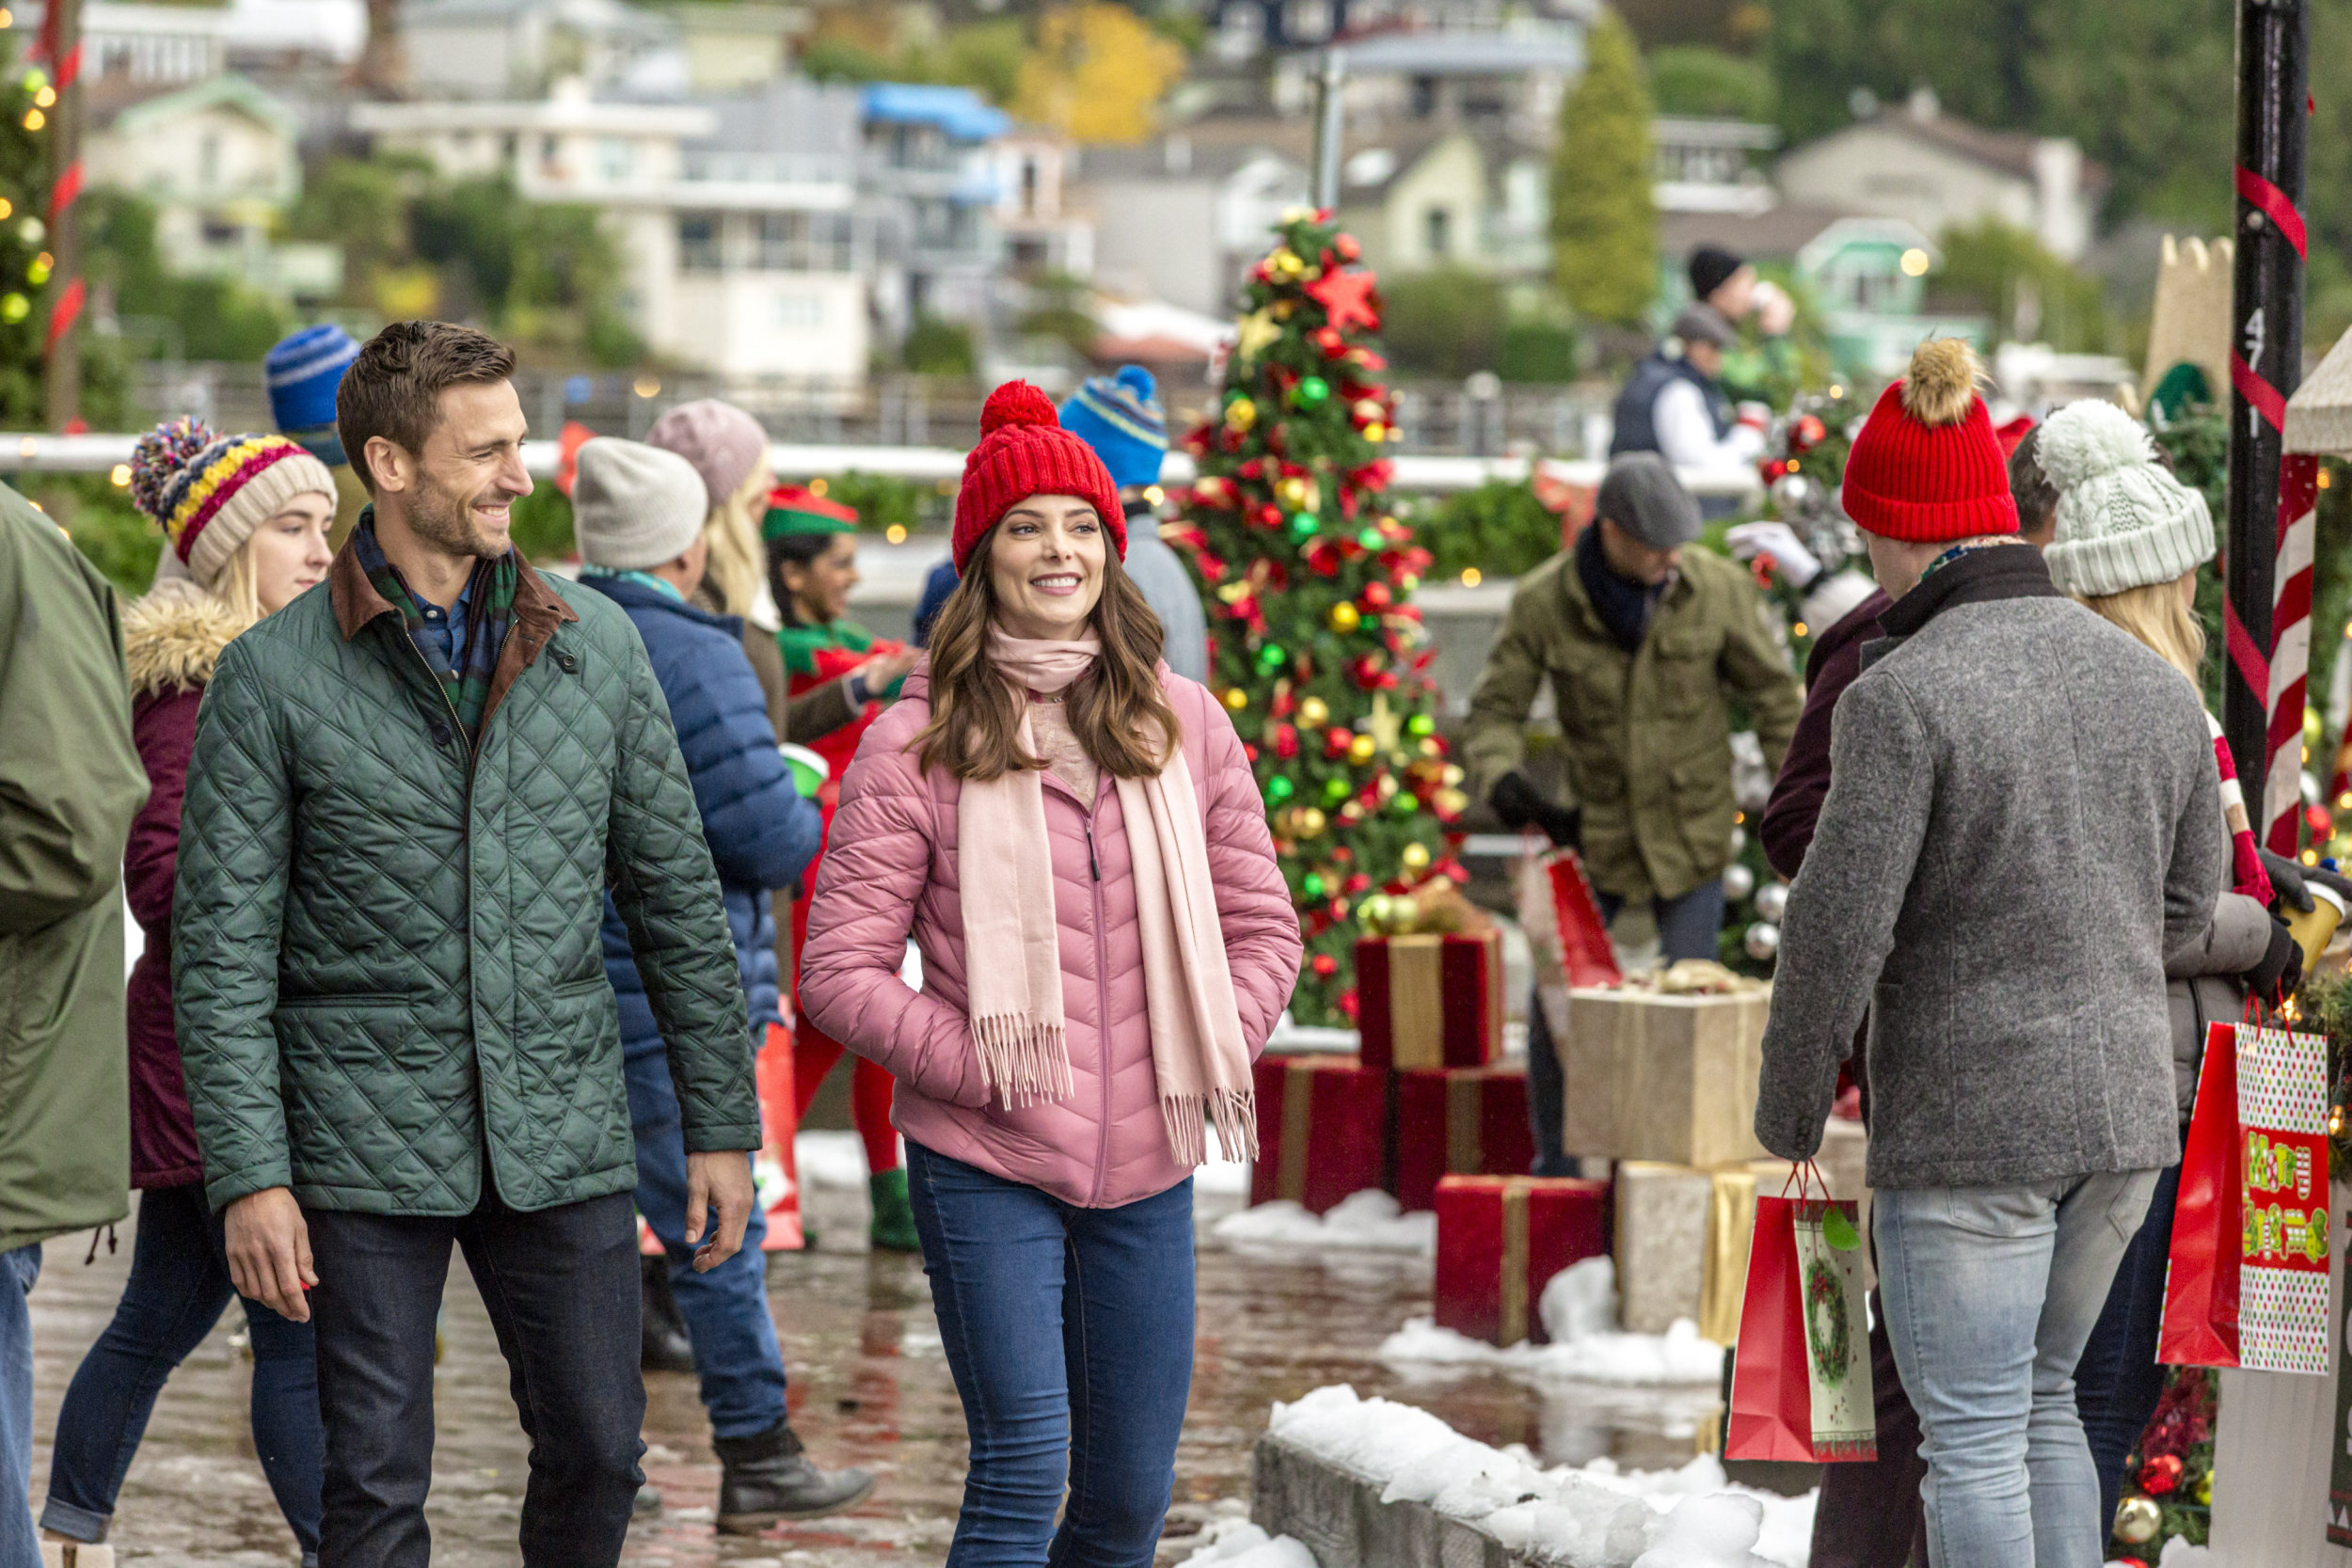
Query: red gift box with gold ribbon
1433,1000
1322,1130
1463,1121
1500,1241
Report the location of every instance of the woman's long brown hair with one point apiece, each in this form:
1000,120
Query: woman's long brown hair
1114,709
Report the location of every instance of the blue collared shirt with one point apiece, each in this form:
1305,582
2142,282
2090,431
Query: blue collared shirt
451,629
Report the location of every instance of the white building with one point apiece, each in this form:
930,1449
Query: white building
737,221
1921,166
152,44
1182,217
521,48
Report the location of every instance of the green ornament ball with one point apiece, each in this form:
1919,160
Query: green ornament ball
1370,539
1304,525
1404,803
1420,724
1272,655
1277,789
1334,789
1312,885
1311,391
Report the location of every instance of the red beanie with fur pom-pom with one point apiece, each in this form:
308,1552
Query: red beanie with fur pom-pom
1024,451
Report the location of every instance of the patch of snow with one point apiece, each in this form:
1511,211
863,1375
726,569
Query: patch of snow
1677,1356
1224,1178
2178,1553
1581,1300
1594,1517
830,1158
1239,1544
1367,1220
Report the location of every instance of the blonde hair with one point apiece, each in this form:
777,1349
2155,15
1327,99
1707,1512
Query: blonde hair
2155,613
738,561
237,584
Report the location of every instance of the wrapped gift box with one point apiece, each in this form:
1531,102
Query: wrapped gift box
1463,1121
1322,1130
1665,1078
1683,1244
1430,1001
1500,1241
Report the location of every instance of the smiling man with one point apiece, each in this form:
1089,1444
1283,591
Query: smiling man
410,791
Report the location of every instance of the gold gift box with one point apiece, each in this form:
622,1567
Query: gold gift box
1668,1078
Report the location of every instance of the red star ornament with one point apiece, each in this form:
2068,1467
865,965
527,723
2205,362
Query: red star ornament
1347,297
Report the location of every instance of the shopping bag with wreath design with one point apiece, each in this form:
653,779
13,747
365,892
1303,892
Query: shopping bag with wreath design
1801,1374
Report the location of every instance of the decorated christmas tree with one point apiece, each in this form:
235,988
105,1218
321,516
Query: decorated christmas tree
1317,649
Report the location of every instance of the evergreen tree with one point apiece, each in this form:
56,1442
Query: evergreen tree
1604,227
1317,650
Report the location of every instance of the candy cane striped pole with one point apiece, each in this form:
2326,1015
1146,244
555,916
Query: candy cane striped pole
61,42
2268,571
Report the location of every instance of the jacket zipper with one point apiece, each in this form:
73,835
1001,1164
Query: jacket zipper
1102,1012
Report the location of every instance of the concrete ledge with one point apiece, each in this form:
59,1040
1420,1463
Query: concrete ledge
1340,1518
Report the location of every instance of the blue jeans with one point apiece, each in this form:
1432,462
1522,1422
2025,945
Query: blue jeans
1687,929
2119,1383
1069,1332
736,1354
179,1284
19,1547
1990,1293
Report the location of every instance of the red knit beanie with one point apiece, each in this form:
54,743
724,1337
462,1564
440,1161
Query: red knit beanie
1927,464
1024,451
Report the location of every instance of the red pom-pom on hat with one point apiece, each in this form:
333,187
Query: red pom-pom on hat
1016,402
1024,451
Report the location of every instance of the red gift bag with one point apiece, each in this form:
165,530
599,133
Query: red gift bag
2200,1283
1585,952
1801,1375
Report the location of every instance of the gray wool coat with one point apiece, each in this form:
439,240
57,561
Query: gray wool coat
2024,826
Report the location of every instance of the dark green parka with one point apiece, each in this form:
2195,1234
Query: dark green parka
387,952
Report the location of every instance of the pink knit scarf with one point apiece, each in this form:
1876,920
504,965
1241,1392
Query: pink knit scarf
1012,954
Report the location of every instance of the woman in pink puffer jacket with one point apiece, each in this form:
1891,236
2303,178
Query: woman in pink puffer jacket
1074,837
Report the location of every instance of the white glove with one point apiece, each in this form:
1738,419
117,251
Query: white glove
1755,416
1779,541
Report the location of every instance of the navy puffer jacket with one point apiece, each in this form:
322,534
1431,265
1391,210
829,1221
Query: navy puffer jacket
761,832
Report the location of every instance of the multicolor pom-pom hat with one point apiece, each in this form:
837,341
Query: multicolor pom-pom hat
209,492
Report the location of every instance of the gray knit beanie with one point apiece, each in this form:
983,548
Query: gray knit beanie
2122,521
634,506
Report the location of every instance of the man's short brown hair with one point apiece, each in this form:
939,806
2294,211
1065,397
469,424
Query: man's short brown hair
393,389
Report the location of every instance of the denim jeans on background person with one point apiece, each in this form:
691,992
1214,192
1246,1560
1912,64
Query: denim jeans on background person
178,1288
2119,1383
562,1286
1990,1294
20,1545
1069,1332
1687,929
736,1355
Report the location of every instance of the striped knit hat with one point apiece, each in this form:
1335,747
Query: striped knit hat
209,492
1119,416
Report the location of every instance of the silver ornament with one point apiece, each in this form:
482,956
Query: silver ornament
1739,881
1762,940
2136,1520
1772,900
1792,495
1738,841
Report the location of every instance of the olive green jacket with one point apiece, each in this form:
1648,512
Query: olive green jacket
1646,736
70,782
388,961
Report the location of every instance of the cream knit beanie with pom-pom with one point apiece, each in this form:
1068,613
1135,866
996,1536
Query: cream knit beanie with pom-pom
2122,521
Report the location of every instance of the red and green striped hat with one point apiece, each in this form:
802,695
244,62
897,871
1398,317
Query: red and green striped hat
795,509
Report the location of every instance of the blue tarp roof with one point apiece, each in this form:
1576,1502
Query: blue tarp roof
960,112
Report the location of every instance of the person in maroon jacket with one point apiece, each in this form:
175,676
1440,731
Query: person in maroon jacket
245,518
1869,1515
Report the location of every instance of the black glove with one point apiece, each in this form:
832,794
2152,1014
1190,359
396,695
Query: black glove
2280,972
1521,804
2287,877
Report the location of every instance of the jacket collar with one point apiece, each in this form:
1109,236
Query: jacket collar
1984,575
358,604
636,595
1584,620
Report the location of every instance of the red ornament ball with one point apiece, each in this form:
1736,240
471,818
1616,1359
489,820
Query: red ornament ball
1325,966
2160,1475
1376,595
1330,343
1285,742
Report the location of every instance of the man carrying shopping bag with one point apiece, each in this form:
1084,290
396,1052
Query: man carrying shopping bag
2019,831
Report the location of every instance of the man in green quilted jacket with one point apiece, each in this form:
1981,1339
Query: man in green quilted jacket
410,790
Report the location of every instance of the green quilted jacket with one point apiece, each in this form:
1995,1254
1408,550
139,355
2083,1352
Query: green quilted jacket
387,961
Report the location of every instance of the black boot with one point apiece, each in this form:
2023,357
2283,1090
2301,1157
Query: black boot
768,1478
664,1347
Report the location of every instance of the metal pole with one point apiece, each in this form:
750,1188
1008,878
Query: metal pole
2266,349
62,388
1329,127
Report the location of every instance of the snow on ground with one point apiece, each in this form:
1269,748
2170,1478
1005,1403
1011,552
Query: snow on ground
1580,1313
831,1159
1239,1544
1368,1221
1594,1517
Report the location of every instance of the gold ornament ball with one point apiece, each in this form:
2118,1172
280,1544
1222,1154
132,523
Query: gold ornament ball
1451,802
1345,617
1415,856
1375,431
1292,492
2205,1490
1429,747
1368,409
1235,698
2136,1521
1372,913
1360,749
1286,264
1311,822
1452,777
1313,713
1241,413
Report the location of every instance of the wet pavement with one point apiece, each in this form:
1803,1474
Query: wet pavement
869,1385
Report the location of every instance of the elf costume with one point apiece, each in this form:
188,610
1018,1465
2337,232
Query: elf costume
815,654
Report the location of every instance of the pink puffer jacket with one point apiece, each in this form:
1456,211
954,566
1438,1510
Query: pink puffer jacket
890,868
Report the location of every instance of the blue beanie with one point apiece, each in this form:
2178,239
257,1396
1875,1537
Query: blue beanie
1119,416
303,371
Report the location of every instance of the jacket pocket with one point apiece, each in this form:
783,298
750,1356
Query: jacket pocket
1682,664
347,999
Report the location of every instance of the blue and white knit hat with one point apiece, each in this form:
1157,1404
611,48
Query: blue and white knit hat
1119,416
304,369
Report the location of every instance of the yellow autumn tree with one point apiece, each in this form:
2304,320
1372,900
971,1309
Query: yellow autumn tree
1097,72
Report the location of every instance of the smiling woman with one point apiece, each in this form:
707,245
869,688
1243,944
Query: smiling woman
1072,835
